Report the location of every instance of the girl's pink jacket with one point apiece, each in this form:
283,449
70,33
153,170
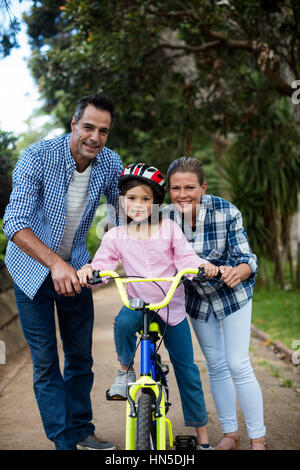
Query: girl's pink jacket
162,255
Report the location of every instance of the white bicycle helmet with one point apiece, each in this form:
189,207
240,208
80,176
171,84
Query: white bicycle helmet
147,175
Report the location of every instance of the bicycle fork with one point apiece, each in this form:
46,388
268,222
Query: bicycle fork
146,382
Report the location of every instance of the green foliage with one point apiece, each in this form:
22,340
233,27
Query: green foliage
36,130
3,244
9,28
7,161
262,172
180,72
276,312
175,71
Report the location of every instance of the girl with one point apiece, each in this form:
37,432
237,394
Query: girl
151,247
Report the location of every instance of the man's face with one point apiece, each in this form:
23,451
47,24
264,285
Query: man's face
89,135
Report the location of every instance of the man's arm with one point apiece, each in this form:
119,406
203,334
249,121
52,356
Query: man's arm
64,276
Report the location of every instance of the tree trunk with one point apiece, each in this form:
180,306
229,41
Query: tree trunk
278,250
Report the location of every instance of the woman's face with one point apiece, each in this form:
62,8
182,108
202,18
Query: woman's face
186,192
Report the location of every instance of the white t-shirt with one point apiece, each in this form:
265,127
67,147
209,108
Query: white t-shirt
77,201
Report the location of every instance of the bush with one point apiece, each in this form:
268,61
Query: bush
3,244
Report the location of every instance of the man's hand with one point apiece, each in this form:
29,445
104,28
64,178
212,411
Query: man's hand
64,278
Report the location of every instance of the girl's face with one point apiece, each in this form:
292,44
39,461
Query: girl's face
186,192
138,202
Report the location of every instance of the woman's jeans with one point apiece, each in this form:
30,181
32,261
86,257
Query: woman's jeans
178,342
64,401
225,345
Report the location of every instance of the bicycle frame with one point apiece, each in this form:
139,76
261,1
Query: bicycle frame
147,378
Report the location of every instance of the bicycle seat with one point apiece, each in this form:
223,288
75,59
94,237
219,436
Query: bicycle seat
153,328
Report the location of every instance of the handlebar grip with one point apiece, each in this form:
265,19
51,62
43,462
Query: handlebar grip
95,279
201,276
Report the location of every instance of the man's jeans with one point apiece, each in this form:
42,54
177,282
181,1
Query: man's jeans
64,401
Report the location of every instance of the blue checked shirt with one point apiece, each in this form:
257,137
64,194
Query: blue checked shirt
221,239
38,201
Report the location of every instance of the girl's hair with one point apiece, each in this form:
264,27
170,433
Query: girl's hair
186,164
133,183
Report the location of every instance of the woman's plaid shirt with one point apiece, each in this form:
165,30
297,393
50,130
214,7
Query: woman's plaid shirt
221,239
38,200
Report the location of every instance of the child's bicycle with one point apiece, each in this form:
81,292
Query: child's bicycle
146,414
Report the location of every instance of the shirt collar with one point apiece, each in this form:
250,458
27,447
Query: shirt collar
206,204
70,162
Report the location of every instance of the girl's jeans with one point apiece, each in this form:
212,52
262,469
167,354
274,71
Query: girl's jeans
225,345
64,401
178,342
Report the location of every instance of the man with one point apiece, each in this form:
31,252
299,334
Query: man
57,186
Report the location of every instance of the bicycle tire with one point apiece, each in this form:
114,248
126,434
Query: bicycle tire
144,422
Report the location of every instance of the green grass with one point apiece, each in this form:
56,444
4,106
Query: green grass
277,313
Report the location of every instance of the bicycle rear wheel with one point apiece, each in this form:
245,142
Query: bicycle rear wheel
144,439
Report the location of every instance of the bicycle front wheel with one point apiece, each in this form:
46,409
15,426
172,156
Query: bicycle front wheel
144,439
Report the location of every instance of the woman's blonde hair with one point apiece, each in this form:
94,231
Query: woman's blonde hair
186,164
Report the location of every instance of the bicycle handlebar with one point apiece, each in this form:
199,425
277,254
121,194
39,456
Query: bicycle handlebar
175,280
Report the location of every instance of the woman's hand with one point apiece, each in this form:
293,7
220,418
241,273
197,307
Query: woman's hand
84,274
232,276
210,269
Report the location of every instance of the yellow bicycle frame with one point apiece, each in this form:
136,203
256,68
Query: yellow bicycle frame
145,381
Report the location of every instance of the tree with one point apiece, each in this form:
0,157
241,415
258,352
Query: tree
262,169
181,72
7,161
9,28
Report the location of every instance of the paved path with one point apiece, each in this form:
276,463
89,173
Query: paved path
21,426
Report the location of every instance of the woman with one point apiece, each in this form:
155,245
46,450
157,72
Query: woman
220,315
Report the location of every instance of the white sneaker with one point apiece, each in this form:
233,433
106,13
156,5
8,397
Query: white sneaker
119,387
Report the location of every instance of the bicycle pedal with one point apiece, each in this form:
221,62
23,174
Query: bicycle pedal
114,397
185,442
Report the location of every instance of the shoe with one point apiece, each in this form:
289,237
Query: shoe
236,443
204,447
94,443
258,444
119,387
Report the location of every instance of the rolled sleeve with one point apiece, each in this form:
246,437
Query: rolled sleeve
238,243
23,199
251,261
12,226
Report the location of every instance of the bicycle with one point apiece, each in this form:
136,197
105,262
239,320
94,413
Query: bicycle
146,417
